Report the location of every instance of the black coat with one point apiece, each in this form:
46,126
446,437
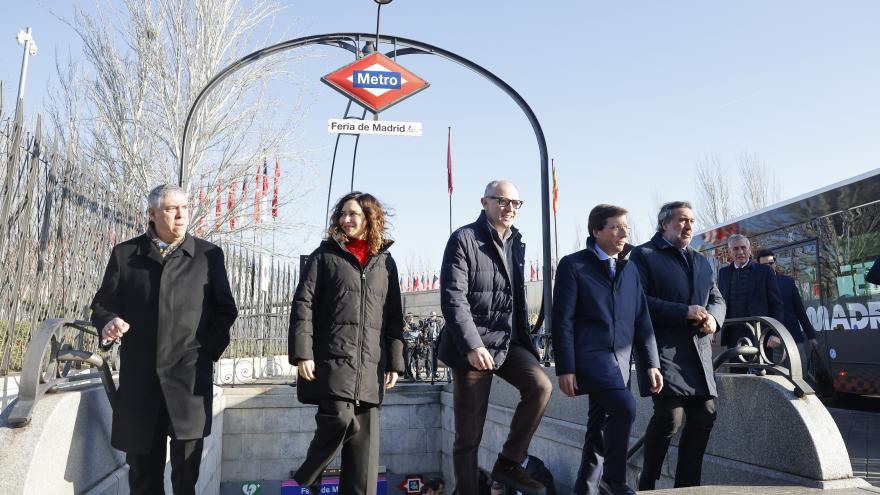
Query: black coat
873,276
597,321
349,320
764,297
477,296
670,287
180,310
796,320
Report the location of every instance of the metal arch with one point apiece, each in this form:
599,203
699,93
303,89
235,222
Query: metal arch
343,40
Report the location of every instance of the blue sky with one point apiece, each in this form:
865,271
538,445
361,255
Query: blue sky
630,96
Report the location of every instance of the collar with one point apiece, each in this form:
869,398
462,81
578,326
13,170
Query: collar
746,265
660,242
483,222
602,254
594,248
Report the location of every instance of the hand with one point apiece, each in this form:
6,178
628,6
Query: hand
390,379
114,329
568,384
710,326
697,314
814,344
481,359
656,379
773,342
306,369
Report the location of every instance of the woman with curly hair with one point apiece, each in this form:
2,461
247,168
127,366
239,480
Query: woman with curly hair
346,339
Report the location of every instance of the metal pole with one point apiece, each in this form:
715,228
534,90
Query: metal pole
555,228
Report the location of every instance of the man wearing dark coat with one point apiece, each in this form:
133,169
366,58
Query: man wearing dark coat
749,289
795,316
600,317
166,296
873,275
686,309
482,296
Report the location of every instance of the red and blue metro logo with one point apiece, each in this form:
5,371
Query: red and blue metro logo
375,82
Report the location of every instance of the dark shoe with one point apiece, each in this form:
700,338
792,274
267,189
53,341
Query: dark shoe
515,477
645,483
608,487
315,487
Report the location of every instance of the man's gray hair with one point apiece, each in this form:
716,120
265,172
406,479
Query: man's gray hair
666,210
739,237
494,185
159,192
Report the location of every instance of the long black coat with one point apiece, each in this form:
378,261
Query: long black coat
349,320
670,287
477,296
796,320
764,299
873,275
180,310
597,321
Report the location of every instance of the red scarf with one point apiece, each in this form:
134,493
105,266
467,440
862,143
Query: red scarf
360,249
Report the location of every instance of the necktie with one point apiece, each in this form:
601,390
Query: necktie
611,267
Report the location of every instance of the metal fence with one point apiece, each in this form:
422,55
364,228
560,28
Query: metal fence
58,224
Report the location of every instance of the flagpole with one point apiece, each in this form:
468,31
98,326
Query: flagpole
449,172
555,229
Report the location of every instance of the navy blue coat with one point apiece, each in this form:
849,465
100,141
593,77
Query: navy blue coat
670,287
597,321
795,314
764,300
873,276
477,295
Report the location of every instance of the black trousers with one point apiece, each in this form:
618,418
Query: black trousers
355,430
609,421
470,399
146,472
698,414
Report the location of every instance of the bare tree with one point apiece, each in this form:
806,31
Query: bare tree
145,62
713,192
759,186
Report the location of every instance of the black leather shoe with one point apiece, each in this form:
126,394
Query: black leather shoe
608,487
515,477
315,487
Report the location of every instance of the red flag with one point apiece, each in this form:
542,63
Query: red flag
257,196
416,282
534,275
219,209
275,189
555,190
200,226
230,205
449,161
409,285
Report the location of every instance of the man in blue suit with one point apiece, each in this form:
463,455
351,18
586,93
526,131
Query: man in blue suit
795,315
600,314
749,289
686,309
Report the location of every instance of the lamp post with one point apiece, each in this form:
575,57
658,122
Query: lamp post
30,49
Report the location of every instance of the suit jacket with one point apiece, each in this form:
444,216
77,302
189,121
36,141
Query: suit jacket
796,320
598,321
671,284
873,276
180,310
477,296
764,297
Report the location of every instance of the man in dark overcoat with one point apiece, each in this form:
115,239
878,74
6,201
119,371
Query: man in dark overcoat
686,309
600,319
873,276
749,289
795,316
166,296
482,296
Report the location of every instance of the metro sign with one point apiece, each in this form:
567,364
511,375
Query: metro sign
375,82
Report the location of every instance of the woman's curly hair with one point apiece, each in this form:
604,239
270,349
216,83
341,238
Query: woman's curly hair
374,214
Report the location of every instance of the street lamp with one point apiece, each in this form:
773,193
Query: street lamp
30,49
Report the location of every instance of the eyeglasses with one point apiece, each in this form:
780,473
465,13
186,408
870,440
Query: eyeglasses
618,228
505,202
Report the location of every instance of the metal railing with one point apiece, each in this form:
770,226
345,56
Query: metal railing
49,361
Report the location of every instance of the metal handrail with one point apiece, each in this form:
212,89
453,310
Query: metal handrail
40,371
